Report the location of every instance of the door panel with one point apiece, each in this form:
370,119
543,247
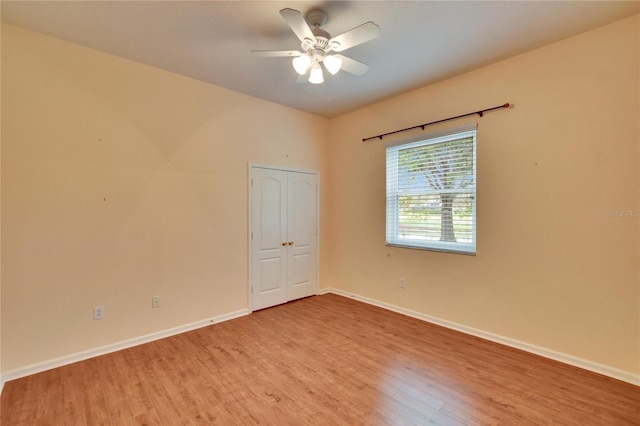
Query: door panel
269,256
270,275
301,269
271,208
302,230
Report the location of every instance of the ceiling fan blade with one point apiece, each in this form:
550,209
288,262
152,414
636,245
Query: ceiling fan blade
275,53
352,66
358,35
298,24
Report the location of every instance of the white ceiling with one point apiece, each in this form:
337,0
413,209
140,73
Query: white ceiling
421,41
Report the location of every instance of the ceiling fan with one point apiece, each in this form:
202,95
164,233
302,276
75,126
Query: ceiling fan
317,44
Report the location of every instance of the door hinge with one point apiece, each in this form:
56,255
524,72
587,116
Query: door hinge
251,235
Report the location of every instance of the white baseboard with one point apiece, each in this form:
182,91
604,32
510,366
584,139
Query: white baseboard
102,350
595,367
605,370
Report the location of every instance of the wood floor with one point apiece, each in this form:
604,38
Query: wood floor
323,360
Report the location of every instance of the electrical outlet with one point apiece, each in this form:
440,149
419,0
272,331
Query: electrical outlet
155,302
98,312
403,283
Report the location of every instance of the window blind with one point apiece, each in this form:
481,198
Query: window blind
431,192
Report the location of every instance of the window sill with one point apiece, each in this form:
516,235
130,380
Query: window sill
438,249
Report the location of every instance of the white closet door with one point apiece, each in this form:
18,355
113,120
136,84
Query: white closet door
269,234
302,228
284,240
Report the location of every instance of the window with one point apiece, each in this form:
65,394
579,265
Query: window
431,192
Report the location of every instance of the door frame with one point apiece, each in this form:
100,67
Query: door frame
250,168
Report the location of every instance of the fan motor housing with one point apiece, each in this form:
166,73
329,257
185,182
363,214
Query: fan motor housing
322,38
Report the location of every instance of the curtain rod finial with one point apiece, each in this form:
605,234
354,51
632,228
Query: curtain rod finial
507,105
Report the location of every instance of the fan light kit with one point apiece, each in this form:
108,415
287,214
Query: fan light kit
316,45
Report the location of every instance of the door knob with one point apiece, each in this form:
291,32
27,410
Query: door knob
284,244
290,243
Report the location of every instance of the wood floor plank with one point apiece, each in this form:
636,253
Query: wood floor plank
317,361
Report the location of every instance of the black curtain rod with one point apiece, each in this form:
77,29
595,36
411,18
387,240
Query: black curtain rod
422,126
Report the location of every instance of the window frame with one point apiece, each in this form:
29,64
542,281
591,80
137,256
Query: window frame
393,238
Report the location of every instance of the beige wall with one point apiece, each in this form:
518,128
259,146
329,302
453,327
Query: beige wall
121,182
552,269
